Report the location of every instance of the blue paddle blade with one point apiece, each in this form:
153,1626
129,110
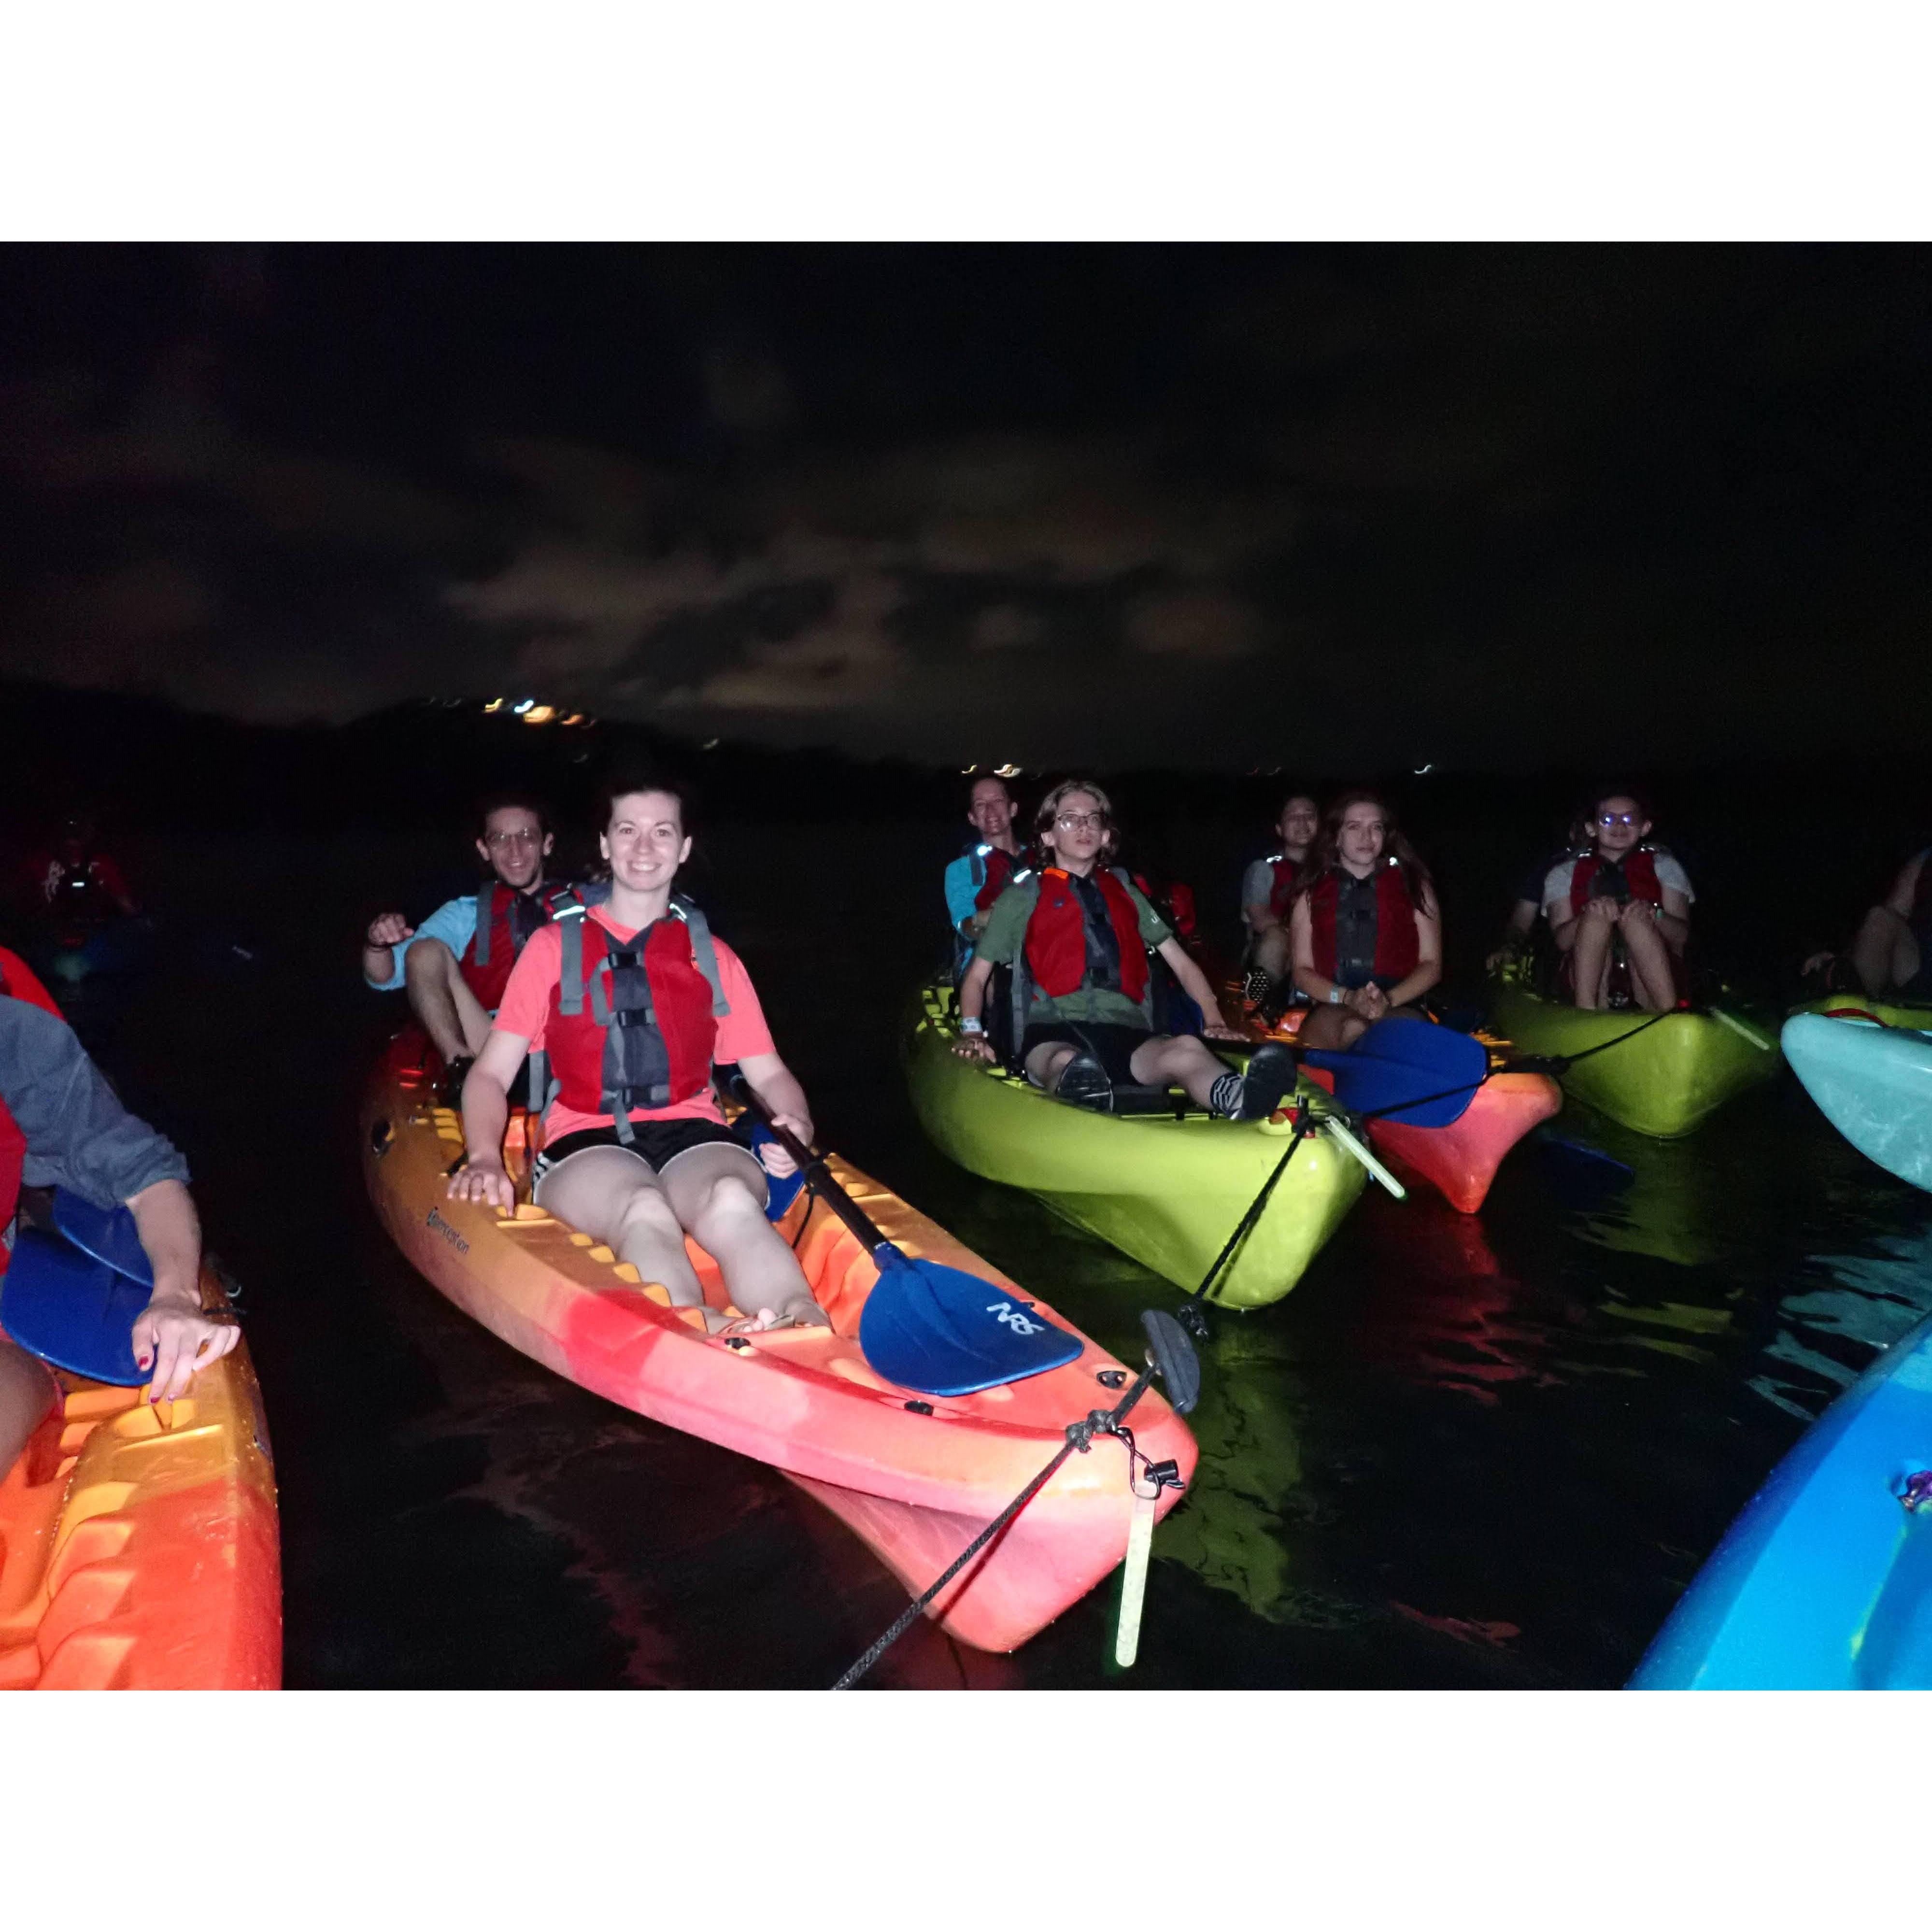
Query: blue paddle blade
942,1331
108,1234
779,1194
71,1309
1398,1063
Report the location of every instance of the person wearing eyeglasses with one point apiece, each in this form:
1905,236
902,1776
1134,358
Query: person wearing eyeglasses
1077,933
1621,901
456,964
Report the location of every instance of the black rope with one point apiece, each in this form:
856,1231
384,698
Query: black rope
1080,1435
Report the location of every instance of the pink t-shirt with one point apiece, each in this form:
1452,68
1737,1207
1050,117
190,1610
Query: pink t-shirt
525,1009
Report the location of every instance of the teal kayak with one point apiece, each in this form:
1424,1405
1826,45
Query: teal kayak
1872,1082
1825,1582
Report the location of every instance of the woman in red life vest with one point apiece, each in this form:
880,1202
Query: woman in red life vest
1080,932
1620,889
1365,934
633,1001
1891,955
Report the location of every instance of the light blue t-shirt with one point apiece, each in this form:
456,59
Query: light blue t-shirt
453,923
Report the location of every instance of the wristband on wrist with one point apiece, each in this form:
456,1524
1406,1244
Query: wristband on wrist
971,1026
1335,995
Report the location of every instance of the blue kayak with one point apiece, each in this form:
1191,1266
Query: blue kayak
1825,1582
1874,1083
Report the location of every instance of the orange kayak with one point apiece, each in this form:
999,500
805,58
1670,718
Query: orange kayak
917,1477
143,1552
1460,1160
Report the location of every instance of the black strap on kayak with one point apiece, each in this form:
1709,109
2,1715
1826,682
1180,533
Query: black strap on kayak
1080,1435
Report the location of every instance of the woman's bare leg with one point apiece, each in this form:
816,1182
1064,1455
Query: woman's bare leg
28,1394
718,1193
613,1194
1331,1029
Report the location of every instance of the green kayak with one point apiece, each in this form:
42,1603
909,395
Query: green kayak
1662,1077
1168,1191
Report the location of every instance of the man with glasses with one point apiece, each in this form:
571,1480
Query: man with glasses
1621,905
456,964
1077,935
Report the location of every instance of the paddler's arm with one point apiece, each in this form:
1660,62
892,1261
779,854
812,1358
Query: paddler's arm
1904,893
973,1045
1428,971
776,1084
486,1113
172,1334
1194,983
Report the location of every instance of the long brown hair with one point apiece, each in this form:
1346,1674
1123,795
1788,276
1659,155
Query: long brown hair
1327,853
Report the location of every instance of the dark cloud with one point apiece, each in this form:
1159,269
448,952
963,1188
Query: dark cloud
1331,506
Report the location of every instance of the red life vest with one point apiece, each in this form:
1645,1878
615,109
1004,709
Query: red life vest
1285,871
1398,946
1060,935
1639,871
17,981
996,866
633,1025
504,920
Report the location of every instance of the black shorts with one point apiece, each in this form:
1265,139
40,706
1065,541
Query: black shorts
656,1143
1112,1046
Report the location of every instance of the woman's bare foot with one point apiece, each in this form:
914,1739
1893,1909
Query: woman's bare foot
800,1313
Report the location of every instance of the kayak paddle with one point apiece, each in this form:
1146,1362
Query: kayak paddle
72,1309
926,1326
108,1234
1408,1070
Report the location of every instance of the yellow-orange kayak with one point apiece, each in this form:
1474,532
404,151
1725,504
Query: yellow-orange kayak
917,1477
140,1547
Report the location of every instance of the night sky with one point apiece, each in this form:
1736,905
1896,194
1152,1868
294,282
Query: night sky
1334,508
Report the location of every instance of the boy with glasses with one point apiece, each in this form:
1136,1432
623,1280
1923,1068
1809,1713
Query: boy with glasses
456,963
1620,902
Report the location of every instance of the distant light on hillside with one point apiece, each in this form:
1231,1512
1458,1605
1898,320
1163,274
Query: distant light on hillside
538,714
495,704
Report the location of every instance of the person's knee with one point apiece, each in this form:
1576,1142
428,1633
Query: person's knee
646,1214
428,960
733,1196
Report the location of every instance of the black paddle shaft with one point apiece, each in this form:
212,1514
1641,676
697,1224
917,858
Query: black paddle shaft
811,1165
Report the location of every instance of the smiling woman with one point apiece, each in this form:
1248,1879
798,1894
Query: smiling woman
634,1002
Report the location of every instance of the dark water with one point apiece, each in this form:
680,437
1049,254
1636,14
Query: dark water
1470,1453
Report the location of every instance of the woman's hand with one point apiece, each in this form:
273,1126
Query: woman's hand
389,928
172,1339
1219,1029
1370,1001
973,1046
484,1180
778,1162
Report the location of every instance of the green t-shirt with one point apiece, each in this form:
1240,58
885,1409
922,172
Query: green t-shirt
1005,936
